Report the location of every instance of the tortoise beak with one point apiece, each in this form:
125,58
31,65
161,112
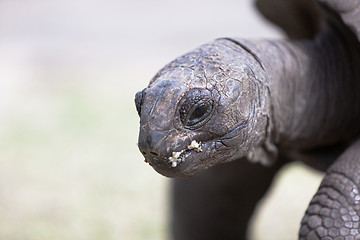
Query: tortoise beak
150,146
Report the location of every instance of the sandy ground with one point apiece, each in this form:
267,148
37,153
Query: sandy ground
69,165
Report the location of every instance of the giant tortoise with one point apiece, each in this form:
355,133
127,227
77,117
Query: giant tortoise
241,109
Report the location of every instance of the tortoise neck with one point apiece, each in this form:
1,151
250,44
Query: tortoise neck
314,88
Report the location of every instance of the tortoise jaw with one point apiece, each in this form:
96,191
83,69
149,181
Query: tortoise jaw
173,154
179,163
178,157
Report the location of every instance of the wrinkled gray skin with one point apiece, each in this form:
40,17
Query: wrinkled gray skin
264,102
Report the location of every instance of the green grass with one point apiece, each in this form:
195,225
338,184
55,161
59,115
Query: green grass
70,168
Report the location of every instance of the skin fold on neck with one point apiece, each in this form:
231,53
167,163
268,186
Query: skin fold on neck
314,88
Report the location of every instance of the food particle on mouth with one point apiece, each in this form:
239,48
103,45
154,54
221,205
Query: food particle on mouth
174,159
195,145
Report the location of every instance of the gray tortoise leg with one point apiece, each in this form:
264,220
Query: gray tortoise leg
334,211
219,203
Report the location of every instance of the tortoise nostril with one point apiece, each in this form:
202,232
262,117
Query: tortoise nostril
149,144
154,153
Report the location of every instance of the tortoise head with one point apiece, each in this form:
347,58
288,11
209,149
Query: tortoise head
206,107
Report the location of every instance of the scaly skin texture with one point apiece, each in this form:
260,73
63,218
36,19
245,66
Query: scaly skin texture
262,96
223,73
264,101
334,212
313,94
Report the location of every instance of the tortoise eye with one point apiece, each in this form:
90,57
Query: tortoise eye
196,109
198,112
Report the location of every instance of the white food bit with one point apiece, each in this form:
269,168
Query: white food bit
174,159
195,145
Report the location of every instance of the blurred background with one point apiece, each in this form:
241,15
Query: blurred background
69,70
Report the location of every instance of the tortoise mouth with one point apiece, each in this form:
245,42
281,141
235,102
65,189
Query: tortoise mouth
196,157
181,163
178,157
